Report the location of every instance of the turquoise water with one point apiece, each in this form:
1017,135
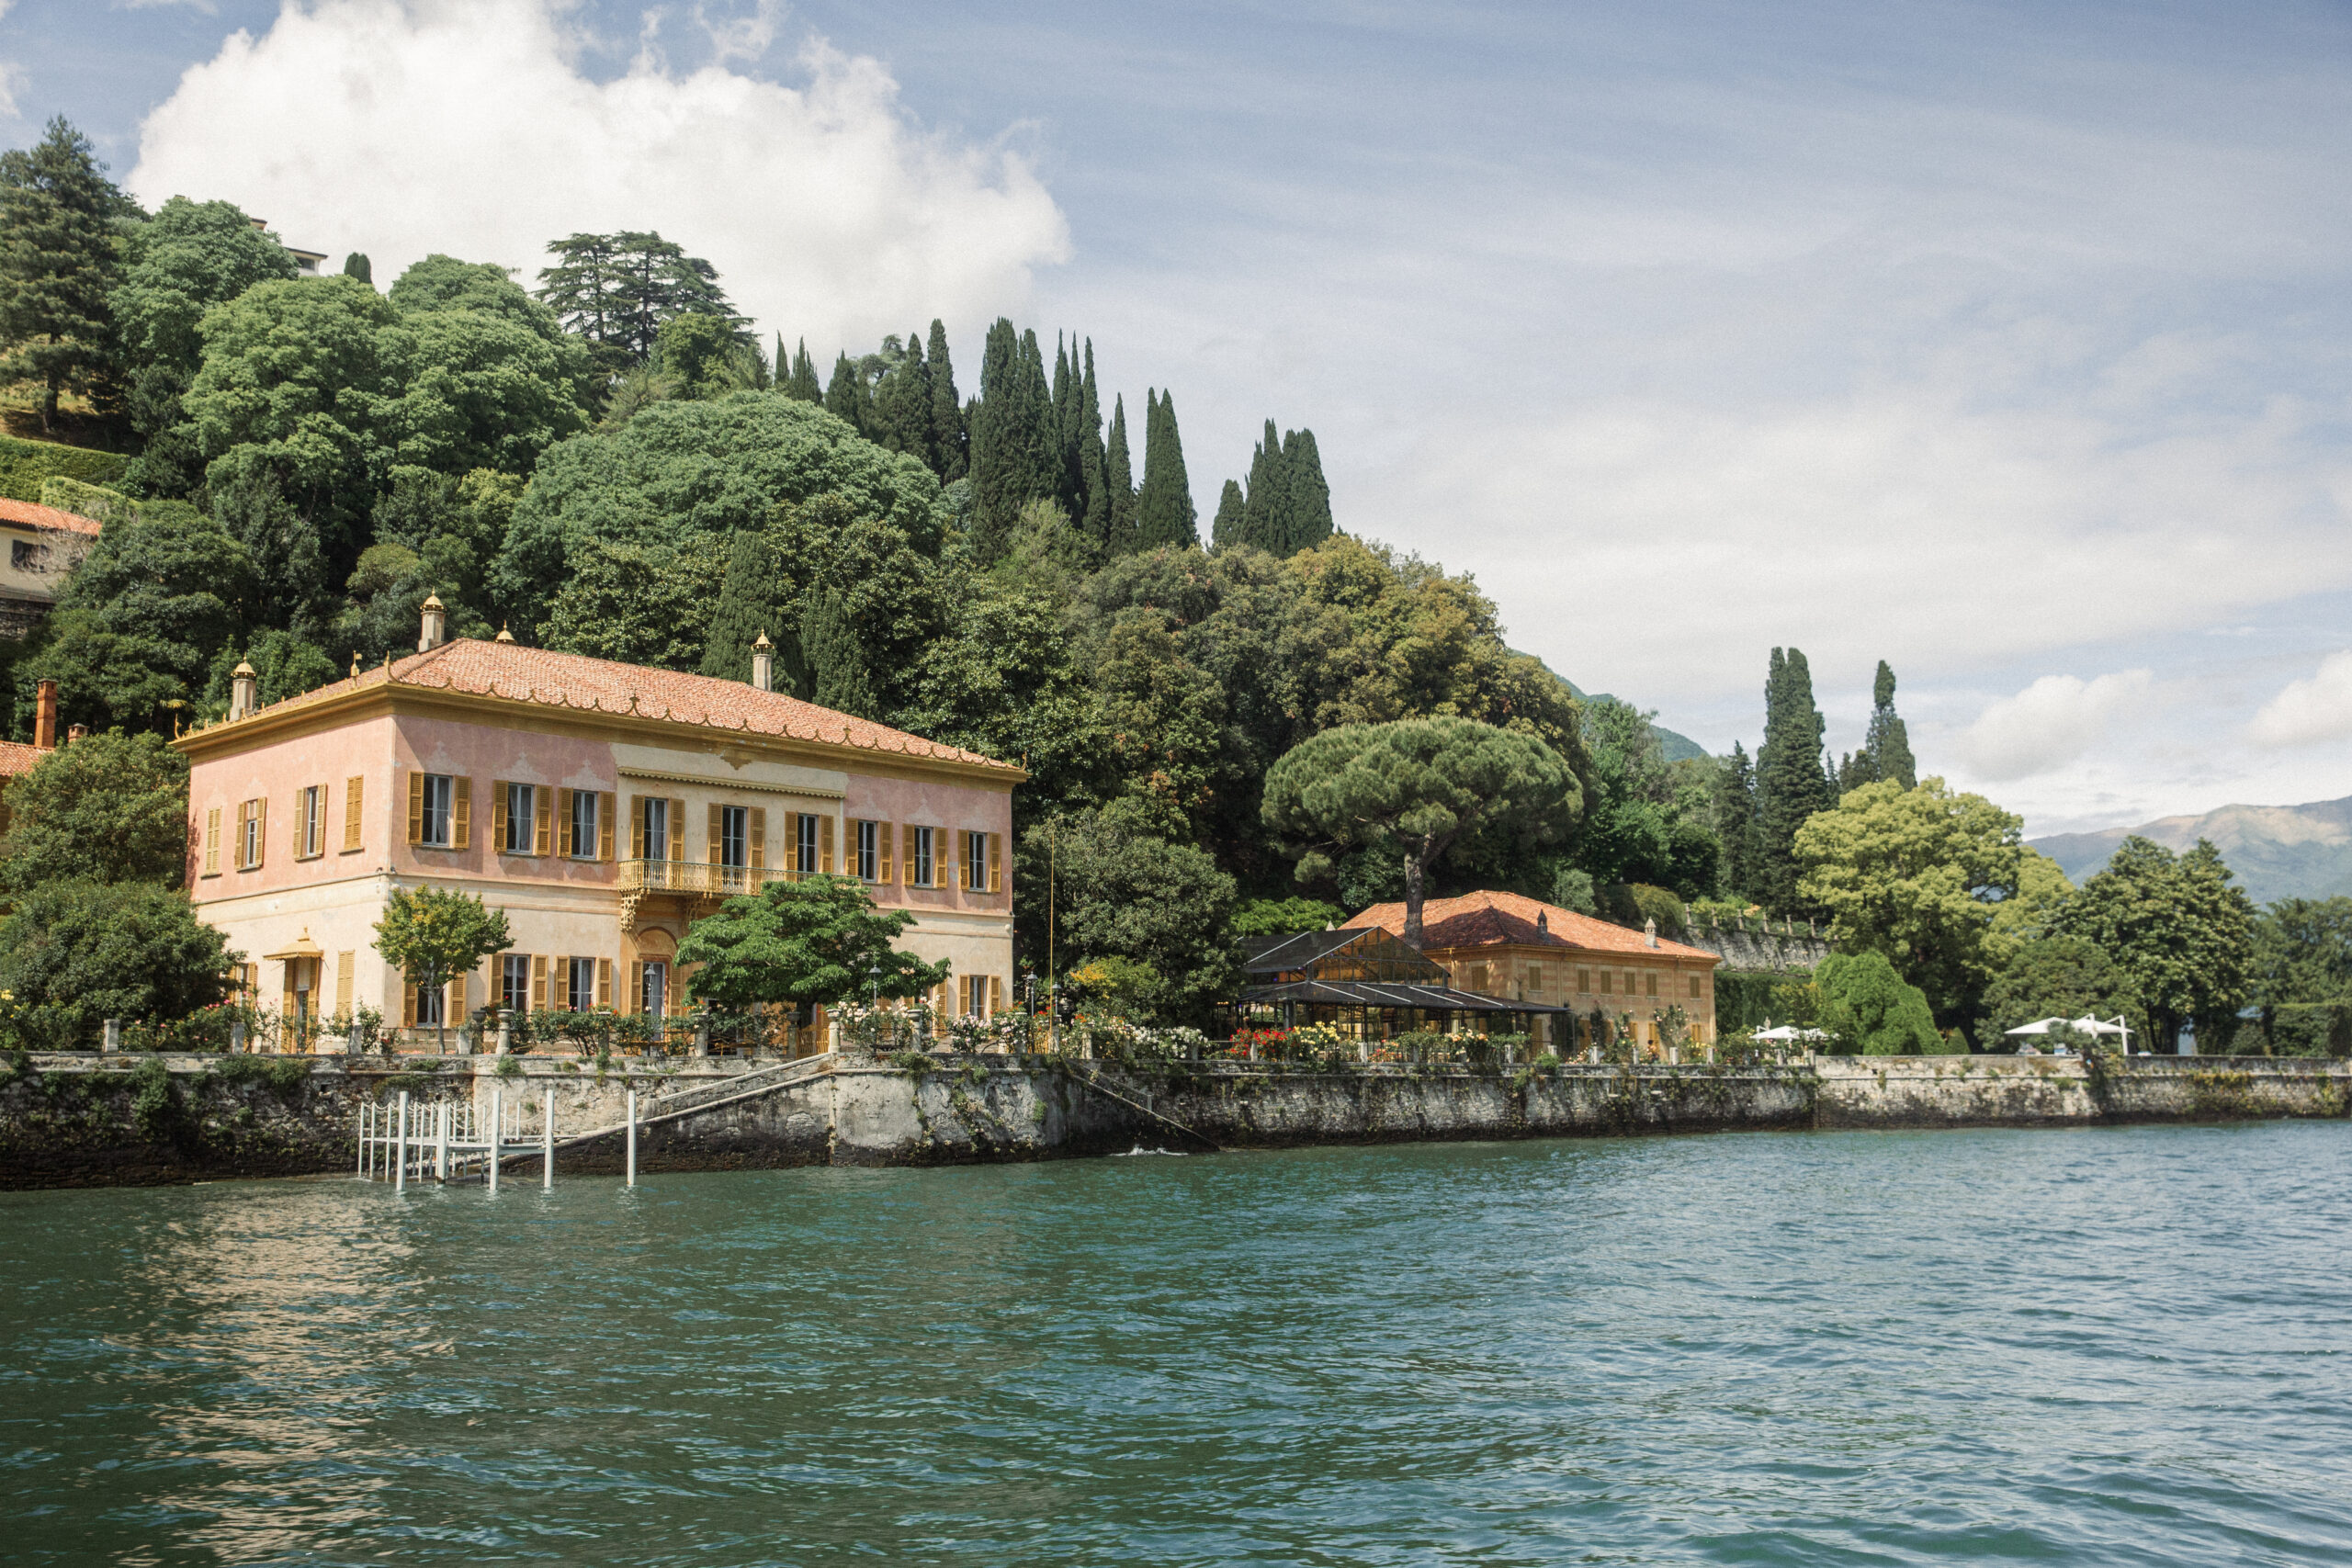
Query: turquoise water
2128,1346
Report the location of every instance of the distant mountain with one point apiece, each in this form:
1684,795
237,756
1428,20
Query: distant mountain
2277,852
1678,748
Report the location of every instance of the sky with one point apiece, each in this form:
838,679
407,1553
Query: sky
2003,342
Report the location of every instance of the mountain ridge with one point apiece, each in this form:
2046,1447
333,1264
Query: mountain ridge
2276,852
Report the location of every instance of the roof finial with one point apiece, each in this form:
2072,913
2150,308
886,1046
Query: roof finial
355,664
503,634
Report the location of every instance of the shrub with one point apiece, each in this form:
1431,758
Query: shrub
1866,1006
26,466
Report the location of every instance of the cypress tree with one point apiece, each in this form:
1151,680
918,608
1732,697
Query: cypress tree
1268,500
1096,517
838,677
1014,449
59,263
902,408
1791,784
1888,745
1164,513
1070,472
1736,823
356,265
1309,523
749,605
1231,516
846,396
949,438
803,384
1118,477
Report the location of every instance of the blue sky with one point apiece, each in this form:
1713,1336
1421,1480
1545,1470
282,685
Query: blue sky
2006,342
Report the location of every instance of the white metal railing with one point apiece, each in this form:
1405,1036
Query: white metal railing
447,1140
699,876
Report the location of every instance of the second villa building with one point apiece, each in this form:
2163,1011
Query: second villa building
603,806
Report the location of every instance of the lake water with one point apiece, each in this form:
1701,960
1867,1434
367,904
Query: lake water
2127,1346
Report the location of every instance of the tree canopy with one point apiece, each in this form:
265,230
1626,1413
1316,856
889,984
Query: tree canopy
109,807
2180,934
1869,1009
819,942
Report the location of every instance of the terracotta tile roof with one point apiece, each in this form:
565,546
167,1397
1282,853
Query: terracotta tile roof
16,757
1495,919
603,686
26,513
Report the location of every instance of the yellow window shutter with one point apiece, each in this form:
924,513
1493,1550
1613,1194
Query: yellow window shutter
759,832
461,814
261,830
996,995
353,788
825,847
636,827
498,815
635,987
539,981
563,823
286,1007
408,1004
996,863
212,842
343,970
603,982
542,820
884,871
606,801
711,844
416,808
677,829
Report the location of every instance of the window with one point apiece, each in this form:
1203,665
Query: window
212,842
439,817
869,851
26,556
1650,979
1584,982
583,844
1477,981
653,828
653,990
1604,983
919,866
514,981
579,984
351,796
1694,987
250,817
734,836
1535,979
804,842
432,1009
976,996
976,863
310,830
522,819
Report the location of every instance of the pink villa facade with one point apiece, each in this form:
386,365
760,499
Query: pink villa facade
603,806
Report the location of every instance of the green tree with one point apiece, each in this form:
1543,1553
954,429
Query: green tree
357,264
75,954
1014,441
846,397
286,665
1119,483
638,604
1164,513
179,263
615,291
1117,892
838,675
950,440
2301,977
1006,682
60,236
803,386
754,602
1918,875
1226,527
1791,784
1419,785
2181,934
1284,917
1310,493
707,356
140,619
1265,515
1867,1008
819,942
2051,977
1886,748
431,934
109,807
1735,812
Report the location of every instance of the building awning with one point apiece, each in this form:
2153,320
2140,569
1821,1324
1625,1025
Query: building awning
1380,994
303,948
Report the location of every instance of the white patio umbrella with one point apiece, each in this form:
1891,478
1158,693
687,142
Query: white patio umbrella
2092,1025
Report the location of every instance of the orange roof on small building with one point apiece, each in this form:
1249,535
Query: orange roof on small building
30,514
16,757
582,684
1488,918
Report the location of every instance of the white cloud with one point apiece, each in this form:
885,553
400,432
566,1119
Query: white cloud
2049,724
2319,708
404,127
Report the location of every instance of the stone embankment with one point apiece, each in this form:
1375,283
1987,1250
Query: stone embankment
87,1120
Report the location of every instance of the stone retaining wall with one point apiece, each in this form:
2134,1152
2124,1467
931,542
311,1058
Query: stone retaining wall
89,1121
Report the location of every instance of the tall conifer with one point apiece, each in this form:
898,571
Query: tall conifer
803,383
949,438
1310,521
1268,500
1231,516
845,395
1791,784
1118,477
997,476
1736,823
60,259
1888,745
1095,519
1164,513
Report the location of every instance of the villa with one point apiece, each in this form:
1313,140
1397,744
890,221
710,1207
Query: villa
603,806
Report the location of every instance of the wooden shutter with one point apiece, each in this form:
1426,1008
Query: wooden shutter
605,813
636,986
996,995
603,982
677,829
408,1004
710,845
212,842
352,790
756,826
416,808
498,815
886,870
570,846
286,1007
996,863
344,1003
539,981
636,827
542,820
261,830
825,845
461,813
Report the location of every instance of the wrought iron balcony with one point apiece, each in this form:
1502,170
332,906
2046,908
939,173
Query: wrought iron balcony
700,877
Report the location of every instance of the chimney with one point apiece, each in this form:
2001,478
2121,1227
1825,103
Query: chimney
763,664
1543,922
45,715
436,630
75,732
1649,931
244,691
